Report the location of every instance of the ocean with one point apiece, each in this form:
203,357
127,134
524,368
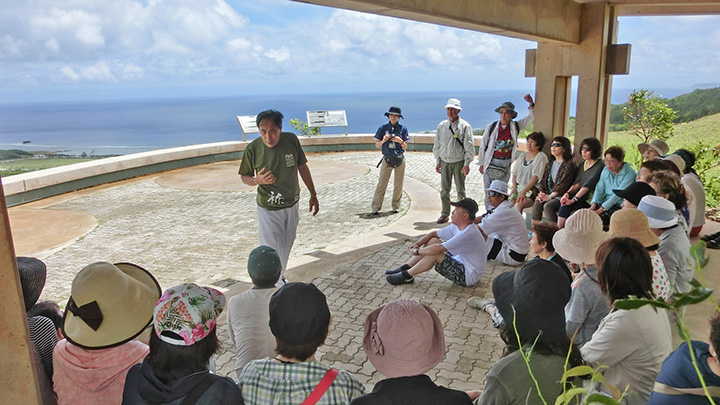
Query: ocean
131,126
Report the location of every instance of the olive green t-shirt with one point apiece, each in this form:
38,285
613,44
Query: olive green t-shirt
282,160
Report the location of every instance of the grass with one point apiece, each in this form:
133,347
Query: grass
18,166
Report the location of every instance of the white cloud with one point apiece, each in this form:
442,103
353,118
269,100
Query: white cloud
131,72
278,55
53,45
10,47
99,72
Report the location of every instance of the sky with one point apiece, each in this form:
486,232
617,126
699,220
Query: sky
53,50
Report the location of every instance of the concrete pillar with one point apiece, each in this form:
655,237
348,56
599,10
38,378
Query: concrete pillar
18,381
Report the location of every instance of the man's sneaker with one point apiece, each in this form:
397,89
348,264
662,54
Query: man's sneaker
399,278
393,271
480,303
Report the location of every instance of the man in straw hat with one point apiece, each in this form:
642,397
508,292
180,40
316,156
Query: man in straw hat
109,306
577,243
404,340
499,143
674,246
461,258
503,227
393,139
300,322
653,149
454,150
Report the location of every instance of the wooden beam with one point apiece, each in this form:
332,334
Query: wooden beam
540,20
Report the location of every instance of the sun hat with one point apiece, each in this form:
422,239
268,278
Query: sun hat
264,266
677,160
453,103
580,238
110,304
32,273
635,192
404,338
468,204
687,156
299,313
659,211
499,186
538,293
187,313
658,145
394,111
508,106
632,223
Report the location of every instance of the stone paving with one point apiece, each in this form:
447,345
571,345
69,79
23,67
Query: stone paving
189,235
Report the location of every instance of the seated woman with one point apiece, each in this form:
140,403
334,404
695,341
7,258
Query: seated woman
631,343
182,341
617,174
691,181
649,167
654,149
532,301
404,340
678,382
557,179
668,186
586,178
527,171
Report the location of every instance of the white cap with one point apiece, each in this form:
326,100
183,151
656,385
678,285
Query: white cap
660,212
499,186
453,103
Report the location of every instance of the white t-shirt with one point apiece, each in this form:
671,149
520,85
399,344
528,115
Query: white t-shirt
508,225
693,184
467,247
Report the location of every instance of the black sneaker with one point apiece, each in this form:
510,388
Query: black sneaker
399,278
708,238
393,271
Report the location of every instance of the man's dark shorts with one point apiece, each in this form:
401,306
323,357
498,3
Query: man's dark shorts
451,269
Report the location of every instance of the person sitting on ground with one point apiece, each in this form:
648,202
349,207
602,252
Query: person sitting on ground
692,182
668,186
503,227
247,312
404,340
586,178
462,256
632,344
182,340
633,193
674,248
678,381
527,171
32,273
653,150
50,310
531,300
300,322
556,181
649,167
109,306
577,242
393,139
616,175
632,223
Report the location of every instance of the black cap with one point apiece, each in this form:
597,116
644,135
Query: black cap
469,205
299,313
635,192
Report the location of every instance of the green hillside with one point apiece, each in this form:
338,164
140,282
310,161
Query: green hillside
688,107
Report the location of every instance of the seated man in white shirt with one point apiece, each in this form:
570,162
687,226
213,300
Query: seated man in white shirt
503,227
460,258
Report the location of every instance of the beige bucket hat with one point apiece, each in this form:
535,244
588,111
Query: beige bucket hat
632,223
580,238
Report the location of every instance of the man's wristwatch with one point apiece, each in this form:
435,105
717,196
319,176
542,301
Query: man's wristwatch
416,251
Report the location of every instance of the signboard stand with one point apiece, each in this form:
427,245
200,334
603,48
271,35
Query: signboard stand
326,118
247,125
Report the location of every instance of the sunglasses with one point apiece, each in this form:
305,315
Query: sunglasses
584,148
555,144
494,194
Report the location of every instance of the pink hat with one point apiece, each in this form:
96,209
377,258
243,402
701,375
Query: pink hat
404,338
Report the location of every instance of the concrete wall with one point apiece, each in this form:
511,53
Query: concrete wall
26,187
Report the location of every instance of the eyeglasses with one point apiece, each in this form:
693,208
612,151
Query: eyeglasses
556,144
494,194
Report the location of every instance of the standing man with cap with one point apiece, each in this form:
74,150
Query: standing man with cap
499,143
300,322
272,162
503,227
461,258
393,139
454,150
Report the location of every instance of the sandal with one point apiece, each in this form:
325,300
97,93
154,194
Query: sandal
710,237
713,244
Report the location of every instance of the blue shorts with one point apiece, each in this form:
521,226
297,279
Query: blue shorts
452,270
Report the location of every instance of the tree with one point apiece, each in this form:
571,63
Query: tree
648,116
302,127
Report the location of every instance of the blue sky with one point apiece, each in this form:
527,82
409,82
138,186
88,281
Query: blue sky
85,49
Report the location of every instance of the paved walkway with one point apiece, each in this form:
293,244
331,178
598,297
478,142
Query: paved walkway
199,224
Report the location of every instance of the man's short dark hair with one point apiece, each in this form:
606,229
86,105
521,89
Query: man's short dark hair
273,115
616,152
544,232
594,147
300,352
171,363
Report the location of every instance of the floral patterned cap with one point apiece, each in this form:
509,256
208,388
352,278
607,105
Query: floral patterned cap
186,313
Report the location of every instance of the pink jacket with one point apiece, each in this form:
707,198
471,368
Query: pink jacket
84,376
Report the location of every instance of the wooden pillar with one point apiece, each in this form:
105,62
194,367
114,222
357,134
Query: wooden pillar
18,381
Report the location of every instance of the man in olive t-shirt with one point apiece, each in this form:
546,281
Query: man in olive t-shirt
272,162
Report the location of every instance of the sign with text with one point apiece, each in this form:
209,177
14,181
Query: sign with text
247,124
327,118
